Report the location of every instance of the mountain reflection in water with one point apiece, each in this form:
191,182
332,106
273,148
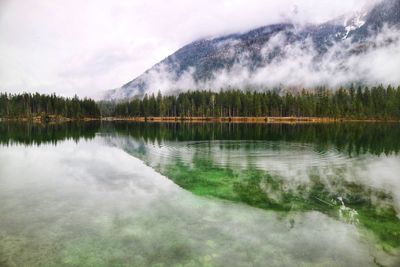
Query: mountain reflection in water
128,194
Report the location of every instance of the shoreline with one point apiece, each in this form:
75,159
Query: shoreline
51,119
264,120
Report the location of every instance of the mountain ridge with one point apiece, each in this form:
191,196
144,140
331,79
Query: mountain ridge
202,63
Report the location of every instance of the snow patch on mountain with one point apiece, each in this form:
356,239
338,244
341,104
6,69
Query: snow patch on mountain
354,23
363,47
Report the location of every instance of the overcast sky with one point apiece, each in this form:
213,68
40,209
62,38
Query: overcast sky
85,47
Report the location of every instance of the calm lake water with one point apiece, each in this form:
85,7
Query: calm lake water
137,194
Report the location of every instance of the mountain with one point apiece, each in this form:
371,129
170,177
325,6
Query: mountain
276,55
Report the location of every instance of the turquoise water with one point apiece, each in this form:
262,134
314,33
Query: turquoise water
121,194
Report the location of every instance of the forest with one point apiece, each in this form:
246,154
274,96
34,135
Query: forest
28,105
378,102
354,102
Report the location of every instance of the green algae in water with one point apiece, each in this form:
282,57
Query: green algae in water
260,189
236,171
73,214
234,196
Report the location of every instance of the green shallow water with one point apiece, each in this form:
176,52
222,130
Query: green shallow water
131,194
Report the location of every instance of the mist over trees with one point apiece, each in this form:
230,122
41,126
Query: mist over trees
353,102
30,105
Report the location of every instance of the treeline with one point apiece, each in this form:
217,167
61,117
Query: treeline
358,103
354,103
28,105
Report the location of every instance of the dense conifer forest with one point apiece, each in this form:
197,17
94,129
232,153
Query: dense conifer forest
352,103
31,105
357,103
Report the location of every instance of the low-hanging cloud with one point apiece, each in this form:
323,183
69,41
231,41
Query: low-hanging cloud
86,47
375,61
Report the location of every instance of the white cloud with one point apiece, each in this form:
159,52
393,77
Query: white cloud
88,46
376,63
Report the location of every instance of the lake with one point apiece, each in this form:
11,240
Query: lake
149,194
